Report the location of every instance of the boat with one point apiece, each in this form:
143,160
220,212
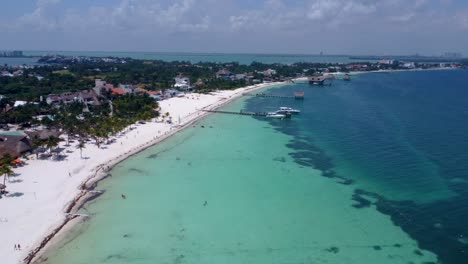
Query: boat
347,77
285,110
299,95
317,80
275,115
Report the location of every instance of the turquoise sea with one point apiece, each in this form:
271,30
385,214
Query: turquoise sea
374,170
18,61
246,58
191,57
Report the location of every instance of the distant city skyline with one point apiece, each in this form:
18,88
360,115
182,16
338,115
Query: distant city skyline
351,27
28,52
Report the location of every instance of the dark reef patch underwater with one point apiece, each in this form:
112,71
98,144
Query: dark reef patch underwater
400,140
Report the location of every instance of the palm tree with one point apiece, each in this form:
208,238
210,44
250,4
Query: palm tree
36,143
70,128
81,145
52,142
7,172
6,159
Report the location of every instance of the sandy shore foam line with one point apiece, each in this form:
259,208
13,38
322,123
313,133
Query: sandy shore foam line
44,193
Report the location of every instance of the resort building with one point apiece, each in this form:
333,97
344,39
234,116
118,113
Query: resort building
386,62
20,103
156,95
6,74
269,72
128,88
240,76
224,74
409,65
117,91
18,73
88,97
182,83
14,143
101,86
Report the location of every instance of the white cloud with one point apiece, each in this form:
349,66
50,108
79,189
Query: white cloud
402,18
462,19
40,18
134,15
47,2
277,20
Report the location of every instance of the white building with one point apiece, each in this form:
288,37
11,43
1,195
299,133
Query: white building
128,88
386,62
182,83
6,74
18,73
269,72
98,83
409,65
19,103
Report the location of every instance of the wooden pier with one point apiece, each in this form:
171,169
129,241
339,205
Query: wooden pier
275,96
237,113
242,113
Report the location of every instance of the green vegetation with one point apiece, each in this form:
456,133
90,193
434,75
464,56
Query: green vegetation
100,123
69,75
5,170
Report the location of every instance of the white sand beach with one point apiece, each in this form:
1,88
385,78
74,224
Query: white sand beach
43,189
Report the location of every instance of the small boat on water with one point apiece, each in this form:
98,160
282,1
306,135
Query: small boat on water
299,95
347,77
316,80
275,115
285,110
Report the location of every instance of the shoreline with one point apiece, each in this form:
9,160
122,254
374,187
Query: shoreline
84,191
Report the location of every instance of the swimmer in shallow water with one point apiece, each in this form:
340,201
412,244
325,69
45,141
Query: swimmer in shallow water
123,196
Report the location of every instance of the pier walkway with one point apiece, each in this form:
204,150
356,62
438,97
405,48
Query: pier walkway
274,96
237,113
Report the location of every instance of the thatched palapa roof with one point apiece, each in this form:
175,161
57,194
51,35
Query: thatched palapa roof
15,145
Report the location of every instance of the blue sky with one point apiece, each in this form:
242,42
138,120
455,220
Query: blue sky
269,26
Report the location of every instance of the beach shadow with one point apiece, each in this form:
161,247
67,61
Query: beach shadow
15,175
15,194
44,156
16,181
59,158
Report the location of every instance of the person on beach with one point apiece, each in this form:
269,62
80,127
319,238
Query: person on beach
19,247
15,247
